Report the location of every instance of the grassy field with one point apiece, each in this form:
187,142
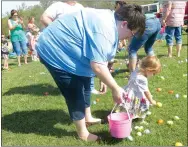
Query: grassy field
29,118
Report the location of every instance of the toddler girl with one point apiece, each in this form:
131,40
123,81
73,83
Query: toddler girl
138,96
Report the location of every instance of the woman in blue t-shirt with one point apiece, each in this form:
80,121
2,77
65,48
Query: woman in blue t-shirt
78,46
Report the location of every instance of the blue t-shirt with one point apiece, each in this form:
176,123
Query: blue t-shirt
71,42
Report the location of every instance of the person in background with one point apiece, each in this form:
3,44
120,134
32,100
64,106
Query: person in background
152,28
59,9
18,38
31,25
78,46
4,51
31,29
172,20
34,38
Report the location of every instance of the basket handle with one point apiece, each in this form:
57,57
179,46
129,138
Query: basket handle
124,107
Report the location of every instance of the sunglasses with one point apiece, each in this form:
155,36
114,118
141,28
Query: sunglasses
15,15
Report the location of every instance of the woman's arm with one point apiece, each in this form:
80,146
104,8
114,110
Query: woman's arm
10,26
21,22
102,71
45,19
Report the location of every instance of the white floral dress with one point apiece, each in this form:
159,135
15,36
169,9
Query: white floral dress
136,101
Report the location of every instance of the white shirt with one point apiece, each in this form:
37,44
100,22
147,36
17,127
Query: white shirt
58,9
138,83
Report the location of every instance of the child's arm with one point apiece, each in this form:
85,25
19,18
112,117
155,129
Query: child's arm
149,97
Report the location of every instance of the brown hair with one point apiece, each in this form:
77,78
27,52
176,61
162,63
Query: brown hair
12,13
133,15
30,18
121,3
150,63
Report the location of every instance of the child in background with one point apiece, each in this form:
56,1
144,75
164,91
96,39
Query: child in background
4,51
138,96
33,41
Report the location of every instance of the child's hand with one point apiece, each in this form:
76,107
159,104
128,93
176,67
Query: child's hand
153,102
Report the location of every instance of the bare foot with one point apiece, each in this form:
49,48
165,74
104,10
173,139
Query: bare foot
88,137
97,120
170,56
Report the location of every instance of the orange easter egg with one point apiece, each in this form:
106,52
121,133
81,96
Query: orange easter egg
159,89
170,91
160,121
46,93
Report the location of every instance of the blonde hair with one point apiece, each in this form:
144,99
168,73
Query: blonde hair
151,64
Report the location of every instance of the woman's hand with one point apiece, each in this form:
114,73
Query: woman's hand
21,21
118,95
103,88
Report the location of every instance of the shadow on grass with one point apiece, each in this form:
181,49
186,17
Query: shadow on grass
40,122
38,89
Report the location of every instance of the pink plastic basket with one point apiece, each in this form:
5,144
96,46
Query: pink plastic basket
120,124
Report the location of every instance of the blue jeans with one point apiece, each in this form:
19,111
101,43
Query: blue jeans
75,89
173,32
17,46
153,26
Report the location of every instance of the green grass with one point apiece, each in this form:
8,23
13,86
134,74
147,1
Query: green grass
31,119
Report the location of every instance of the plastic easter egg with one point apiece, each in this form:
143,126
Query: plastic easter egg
97,99
170,91
159,89
136,127
162,78
184,96
140,128
139,133
148,113
176,118
130,138
177,96
147,131
178,144
170,122
160,121
159,104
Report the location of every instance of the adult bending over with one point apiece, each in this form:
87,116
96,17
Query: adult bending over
78,46
147,40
